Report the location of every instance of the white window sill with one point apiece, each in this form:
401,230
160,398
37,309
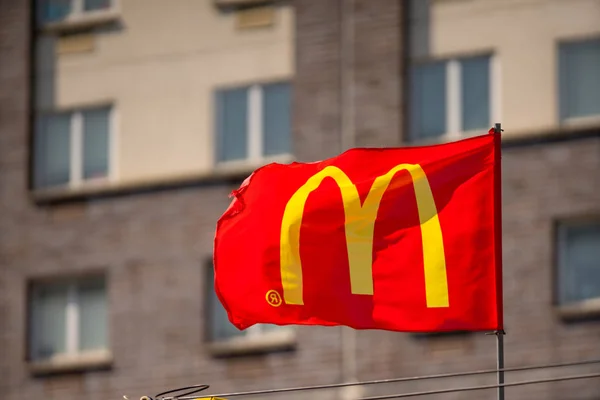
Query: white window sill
247,166
69,189
580,310
591,121
445,138
284,339
230,170
87,20
240,3
72,363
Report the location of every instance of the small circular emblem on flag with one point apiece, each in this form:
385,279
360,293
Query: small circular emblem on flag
273,298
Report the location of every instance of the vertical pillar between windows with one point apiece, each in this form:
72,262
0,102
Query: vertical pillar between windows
76,162
453,98
255,123
77,7
72,317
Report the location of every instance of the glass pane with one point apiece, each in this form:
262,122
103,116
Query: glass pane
48,320
53,150
277,119
428,100
95,143
579,79
93,329
54,10
220,327
92,5
475,74
232,120
579,269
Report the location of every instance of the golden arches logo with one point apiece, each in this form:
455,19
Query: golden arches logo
359,228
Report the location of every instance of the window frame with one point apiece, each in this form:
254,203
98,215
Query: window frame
78,14
254,339
565,121
452,65
584,309
72,358
255,128
76,151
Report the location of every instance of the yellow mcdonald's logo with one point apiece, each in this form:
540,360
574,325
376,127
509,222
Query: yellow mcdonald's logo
359,228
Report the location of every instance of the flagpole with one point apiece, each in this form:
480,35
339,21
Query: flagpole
500,362
349,367
499,333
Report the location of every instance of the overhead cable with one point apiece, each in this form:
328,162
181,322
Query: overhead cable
405,379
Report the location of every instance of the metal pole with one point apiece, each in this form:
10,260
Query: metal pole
500,363
500,333
498,127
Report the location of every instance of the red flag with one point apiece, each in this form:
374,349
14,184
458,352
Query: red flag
403,239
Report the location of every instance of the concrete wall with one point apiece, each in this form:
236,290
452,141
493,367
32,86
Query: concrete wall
349,76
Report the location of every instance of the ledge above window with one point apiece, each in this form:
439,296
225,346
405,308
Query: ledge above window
95,360
272,341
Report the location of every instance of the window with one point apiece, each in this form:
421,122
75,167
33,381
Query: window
68,318
50,11
72,147
253,123
449,97
578,262
221,330
579,79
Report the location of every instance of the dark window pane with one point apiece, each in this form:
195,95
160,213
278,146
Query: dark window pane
48,320
475,85
277,119
52,153
579,263
93,5
579,76
96,126
220,327
428,100
54,10
232,124
92,314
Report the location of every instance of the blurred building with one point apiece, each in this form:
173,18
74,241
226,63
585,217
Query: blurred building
124,125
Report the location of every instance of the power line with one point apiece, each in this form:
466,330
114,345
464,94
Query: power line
481,387
408,379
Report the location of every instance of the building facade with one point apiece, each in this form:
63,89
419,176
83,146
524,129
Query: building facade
450,69
124,125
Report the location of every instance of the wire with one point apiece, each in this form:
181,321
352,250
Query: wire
195,389
482,387
395,380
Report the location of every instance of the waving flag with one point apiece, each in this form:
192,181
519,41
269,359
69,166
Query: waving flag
403,239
